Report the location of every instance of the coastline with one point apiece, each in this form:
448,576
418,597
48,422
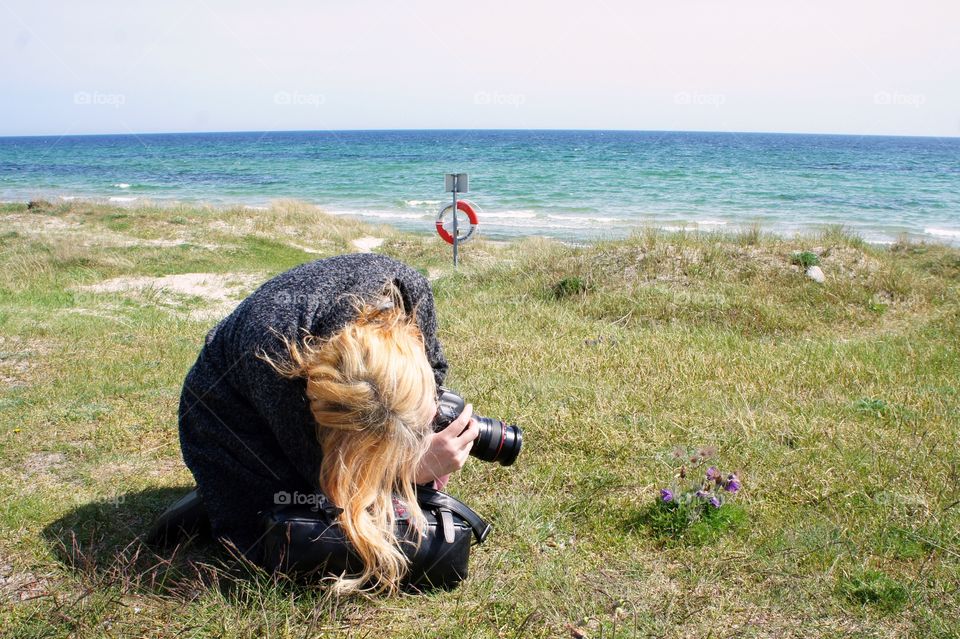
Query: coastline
571,185
492,222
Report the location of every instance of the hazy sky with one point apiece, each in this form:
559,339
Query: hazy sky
864,66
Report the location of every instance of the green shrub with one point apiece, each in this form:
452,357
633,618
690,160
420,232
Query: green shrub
568,287
805,259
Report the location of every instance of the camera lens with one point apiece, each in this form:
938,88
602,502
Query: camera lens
497,442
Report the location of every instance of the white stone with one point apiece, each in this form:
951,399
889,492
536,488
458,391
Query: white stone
816,274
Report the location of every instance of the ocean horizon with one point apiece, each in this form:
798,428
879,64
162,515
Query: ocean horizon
574,185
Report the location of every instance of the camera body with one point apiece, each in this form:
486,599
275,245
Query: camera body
497,442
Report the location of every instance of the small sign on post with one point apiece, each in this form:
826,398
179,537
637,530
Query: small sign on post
456,183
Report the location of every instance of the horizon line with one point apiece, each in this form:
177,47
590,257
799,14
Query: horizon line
450,129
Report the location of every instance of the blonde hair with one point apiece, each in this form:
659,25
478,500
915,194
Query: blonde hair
372,392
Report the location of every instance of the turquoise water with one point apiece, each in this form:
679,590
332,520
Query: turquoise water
574,185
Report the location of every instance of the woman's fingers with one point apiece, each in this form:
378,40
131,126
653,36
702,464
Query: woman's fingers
461,425
448,450
469,434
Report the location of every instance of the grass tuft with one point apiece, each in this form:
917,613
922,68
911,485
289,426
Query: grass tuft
805,259
569,287
874,588
672,525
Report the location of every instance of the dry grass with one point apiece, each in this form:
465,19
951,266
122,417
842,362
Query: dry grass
837,403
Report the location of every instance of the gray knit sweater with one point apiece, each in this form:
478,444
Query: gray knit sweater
246,433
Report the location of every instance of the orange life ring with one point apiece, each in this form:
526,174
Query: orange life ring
466,207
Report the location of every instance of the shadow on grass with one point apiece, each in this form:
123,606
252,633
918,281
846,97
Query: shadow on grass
103,542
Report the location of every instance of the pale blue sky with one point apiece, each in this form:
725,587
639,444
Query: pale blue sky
861,67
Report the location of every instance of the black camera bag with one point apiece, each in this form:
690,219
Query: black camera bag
307,541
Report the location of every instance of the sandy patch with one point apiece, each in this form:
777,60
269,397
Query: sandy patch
367,243
43,463
219,292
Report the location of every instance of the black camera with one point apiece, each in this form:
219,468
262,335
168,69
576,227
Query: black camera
497,442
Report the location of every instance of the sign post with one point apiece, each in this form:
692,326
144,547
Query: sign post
456,183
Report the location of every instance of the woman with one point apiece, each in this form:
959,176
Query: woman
324,379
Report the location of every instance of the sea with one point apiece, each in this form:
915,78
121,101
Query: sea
577,186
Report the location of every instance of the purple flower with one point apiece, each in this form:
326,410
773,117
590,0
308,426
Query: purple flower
732,484
715,502
666,495
713,474
702,493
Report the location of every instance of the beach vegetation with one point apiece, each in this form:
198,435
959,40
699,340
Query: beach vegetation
839,421
805,259
569,286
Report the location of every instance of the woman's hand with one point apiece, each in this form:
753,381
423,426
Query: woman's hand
448,450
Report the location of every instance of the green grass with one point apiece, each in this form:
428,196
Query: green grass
874,588
672,526
836,404
805,259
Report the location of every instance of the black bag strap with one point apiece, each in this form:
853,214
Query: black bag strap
427,498
435,499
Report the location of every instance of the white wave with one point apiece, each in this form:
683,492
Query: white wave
509,215
421,202
584,219
538,223
67,198
952,233
385,215
122,185
117,198
524,223
710,222
250,207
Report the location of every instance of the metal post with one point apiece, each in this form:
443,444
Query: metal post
456,233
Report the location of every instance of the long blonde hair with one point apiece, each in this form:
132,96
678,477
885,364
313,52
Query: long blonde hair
372,394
